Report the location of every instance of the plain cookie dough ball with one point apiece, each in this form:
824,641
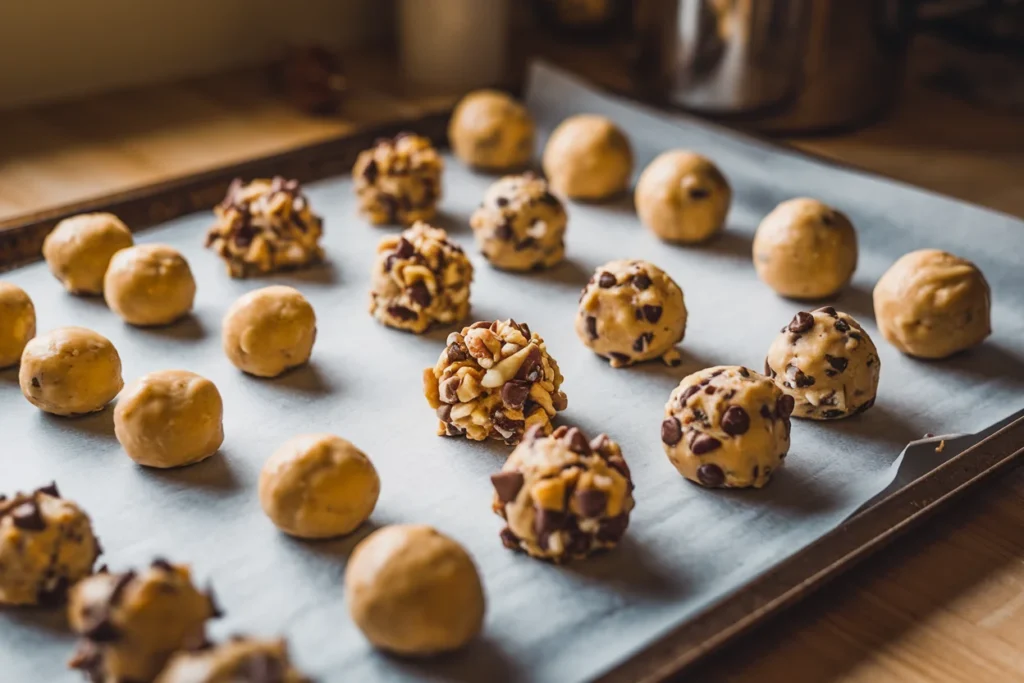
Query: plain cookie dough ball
150,284
631,311
70,371
490,130
727,426
17,323
170,418
398,181
682,197
931,304
239,660
269,330
80,248
588,157
414,591
318,486
827,363
520,225
804,249
46,546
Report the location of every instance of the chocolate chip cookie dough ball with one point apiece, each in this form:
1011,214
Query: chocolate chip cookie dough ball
46,545
150,284
682,197
269,331
588,157
931,304
420,278
79,249
239,660
413,591
631,311
494,381
398,181
70,371
17,323
727,426
520,225
491,131
804,249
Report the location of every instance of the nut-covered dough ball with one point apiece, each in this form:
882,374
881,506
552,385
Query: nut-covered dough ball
588,157
631,311
827,363
682,197
70,371
150,284
269,330
520,225
238,660
727,426
490,130
420,278
169,418
494,381
931,304
398,181
413,591
79,249
318,486
804,249
46,546
17,323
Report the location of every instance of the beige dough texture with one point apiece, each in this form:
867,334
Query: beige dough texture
80,248
932,304
804,249
46,546
520,225
238,660
398,181
130,624
318,486
413,591
169,418
682,197
631,311
149,284
828,364
70,371
17,323
491,131
563,497
588,157
269,331
727,426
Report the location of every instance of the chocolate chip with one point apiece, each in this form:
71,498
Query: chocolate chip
501,201
833,413
456,352
591,502
652,313
710,390
28,517
578,544
710,475
50,490
798,377
514,394
768,369
507,485
842,326
744,372
592,326
699,193
612,528
420,294
577,442
531,368
509,539
550,199
735,421
448,390
671,431
643,341
547,521
864,406
704,443
784,405
215,609
444,412
801,323
837,362
508,424
371,172
161,564
828,219
620,357
606,280
103,631
856,335
404,249
55,595
560,401
504,231
641,281
620,466
828,310
35,382
402,313
766,412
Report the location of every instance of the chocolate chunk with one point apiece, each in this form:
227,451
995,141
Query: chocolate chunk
710,475
620,466
652,313
579,543
833,413
456,352
828,219
531,368
215,609
577,442
766,412
504,231
371,172
798,377
35,382
448,390
444,412
643,341
591,502
704,443
612,528
501,201
161,564
620,357
560,401
856,335
420,294
103,631
641,281
842,326
744,372
119,587
507,485
756,471
509,539
801,322
864,406
507,424
549,199
50,490
735,421
671,431
404,249
606,280
547,521
28,517
784,406
837,362
453,430
592,326
828,310
55,595
402,313
710,390
698,193
514,394
768,369
687,393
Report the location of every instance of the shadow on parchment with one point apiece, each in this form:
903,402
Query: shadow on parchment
213,474
481,661
728,243
51,621
790,491
99,424
454,223
988,360
189,328
569,273
854,300
323,273
630,568
882,423
305,379
338,549
9,376
668,375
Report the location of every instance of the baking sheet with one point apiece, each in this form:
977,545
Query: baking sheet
686,546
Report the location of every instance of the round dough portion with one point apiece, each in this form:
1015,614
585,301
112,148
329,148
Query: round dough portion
632,311
17,323
80,248
804,249
682,197
413,591
70,371
588,157
398,181
269,330
318,486
491,131
149,284
170,418
520,225
727,426
932,304
239,660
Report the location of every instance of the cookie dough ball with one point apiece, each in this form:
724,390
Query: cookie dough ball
420,278
682,197
150,284
492,131
269,330
562,496
727,426
494,381
398,181
804,249
169,418
131,623
70,371
520,225
588,157
413,591
265,226
631,311
239,660
318,486
931,304
79,249
46,545
17,323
